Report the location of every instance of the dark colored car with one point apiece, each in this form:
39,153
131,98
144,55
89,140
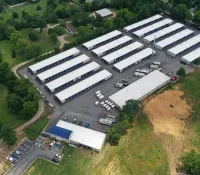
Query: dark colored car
125,83
87,125
55,160
80,123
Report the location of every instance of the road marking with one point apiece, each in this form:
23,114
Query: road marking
25,145
22,148
16,155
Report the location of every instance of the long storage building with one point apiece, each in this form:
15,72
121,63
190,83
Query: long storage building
112,45
192,56
134,59
83,86
78,136
140,89
63,68
54,60
102,39
185,46
152,28
121,53
73,76
172,40
163,33
142,23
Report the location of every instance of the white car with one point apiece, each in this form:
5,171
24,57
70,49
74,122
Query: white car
25,77
97,103
109,103
58,156
101,97
106,101
10,159
113,106
108,109
17,152
98,92
119,85
98,95
52,144
102,103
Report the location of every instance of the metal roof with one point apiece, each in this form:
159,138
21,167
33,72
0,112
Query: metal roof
140,88
143,31
111,45
104,12
103,38
72,76
54,59
64,66
170,40
83,85
134,58
123,51
185,45
192,55
142,23
61,132
163,32
84,136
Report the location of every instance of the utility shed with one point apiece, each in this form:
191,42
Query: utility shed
140,88
190,57
82,136
104,13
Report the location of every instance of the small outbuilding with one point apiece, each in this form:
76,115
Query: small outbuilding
104,13
71,29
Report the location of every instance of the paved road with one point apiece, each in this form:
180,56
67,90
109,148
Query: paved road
32,153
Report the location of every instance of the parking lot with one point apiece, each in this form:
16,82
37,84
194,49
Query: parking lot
83,107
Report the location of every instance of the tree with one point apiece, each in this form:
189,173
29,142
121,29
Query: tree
8,135
32,51
9,31
196,18
181,12
29,109
14,103
1,56
53,38
143,12
181,72
13,53
15,36
114,135
21,45
81,1
191,163
80,18
38,8
15,15
33,35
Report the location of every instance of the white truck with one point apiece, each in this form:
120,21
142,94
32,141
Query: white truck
155,67
105,121
138,74
145,71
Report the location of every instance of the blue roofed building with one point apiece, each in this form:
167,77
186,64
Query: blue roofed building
60,133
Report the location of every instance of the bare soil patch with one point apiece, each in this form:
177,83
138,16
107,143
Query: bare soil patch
168,112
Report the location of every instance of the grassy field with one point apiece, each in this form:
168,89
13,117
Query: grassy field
34,130
138,153
5,116
29,7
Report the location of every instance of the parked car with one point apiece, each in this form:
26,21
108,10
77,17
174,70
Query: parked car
169,73
96,103
80,123
125,83
75,120
55,160
17,152
101,97
57,156
155,67
98,92
65,119
173,78
156,63
87,125
52,144
119,85
10,159
25,77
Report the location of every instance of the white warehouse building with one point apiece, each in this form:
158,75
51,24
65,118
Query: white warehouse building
192,56
140,89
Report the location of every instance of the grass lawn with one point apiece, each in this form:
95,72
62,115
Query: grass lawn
138,153
34,130
28,7
5,116
71,39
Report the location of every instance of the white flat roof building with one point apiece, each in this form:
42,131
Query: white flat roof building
72,76
181,48
140,88
104,13
134,59
104,38
142,23
82,86
114,56
54,60
84,136
111,45
156,26
173,39
163,33
190,57
50,73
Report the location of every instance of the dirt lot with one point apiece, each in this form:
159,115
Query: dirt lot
168,112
